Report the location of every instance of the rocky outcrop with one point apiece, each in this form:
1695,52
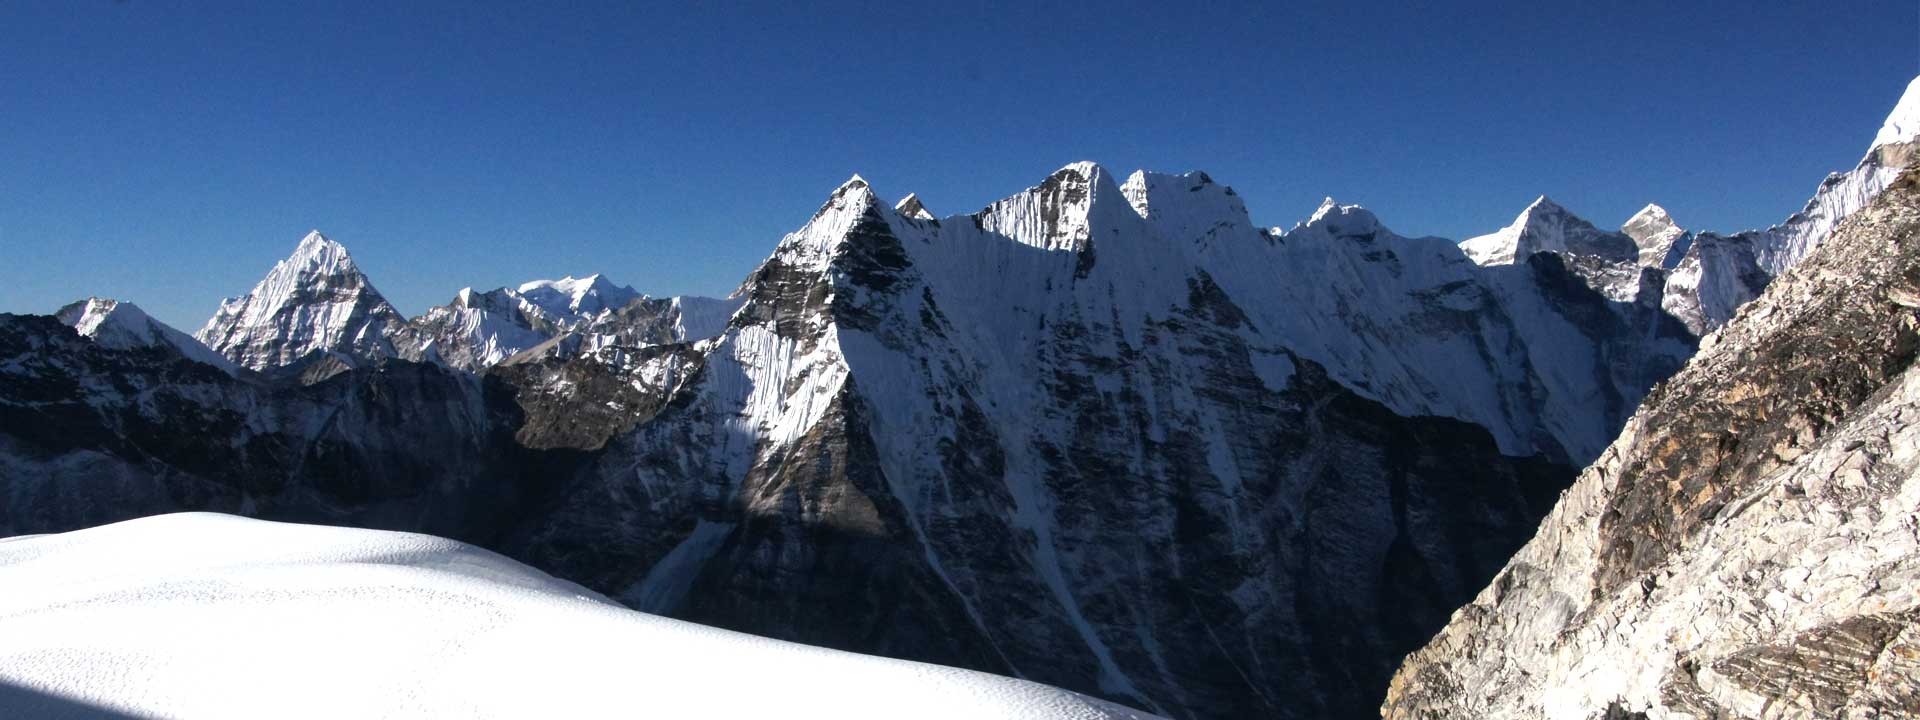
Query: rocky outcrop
1747,547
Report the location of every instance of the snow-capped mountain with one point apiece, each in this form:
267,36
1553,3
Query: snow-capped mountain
213,616
1545,226
316,300
1662,243
124,326
1111,436
570,300
1720,273
477,330
1747,547
1078,428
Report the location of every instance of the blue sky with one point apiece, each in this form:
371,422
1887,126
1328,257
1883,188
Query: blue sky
168,153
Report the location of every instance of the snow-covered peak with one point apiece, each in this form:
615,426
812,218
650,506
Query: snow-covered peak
108,322
571,296
829,225
1545,226
1660,240
1651,214
911,207
123,326
1061,212
1332,220
316,255
1189,207
314,300
1903,124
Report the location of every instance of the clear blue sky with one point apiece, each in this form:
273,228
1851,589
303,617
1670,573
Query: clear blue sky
168,153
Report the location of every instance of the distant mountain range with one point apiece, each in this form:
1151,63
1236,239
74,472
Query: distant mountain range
1106,434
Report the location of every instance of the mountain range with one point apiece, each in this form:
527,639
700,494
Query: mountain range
1106,434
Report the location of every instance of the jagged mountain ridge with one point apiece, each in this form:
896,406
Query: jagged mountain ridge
317,308
1720,273
869,443
1746,548
1108,435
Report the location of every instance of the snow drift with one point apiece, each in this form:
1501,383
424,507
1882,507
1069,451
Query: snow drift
206,615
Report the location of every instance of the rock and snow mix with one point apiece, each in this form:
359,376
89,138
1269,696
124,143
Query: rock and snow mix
1748,547
1111,436
213,616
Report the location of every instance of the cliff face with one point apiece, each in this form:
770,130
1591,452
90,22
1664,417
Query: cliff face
1750,545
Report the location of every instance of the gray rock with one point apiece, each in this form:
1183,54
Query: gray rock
1748,546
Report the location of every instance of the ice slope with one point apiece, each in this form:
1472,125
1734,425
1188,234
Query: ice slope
1719,273
123,325
1842,194
211,616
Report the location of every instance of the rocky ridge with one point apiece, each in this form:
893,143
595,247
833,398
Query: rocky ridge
1747,548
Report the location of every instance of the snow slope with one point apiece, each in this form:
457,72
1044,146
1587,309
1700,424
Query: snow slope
123,325
205,615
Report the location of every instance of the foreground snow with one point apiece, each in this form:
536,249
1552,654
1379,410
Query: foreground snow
205,615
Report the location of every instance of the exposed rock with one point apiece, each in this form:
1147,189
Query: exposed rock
1748,547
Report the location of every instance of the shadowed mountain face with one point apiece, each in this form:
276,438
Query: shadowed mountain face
1108,436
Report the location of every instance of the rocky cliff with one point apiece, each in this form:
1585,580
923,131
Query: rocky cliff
1750,546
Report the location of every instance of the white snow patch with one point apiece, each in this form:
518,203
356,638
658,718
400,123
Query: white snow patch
213,616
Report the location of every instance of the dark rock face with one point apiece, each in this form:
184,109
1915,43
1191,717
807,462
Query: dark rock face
91,435
1746,549
629,385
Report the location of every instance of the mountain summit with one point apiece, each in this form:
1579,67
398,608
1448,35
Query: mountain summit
316,300
1546,226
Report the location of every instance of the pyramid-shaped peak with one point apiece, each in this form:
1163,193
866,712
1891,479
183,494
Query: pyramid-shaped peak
314,300
1327,205
1337,220
123,325
315,241
317,252
911,207
89,315
1544,204
854,194
1650,213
